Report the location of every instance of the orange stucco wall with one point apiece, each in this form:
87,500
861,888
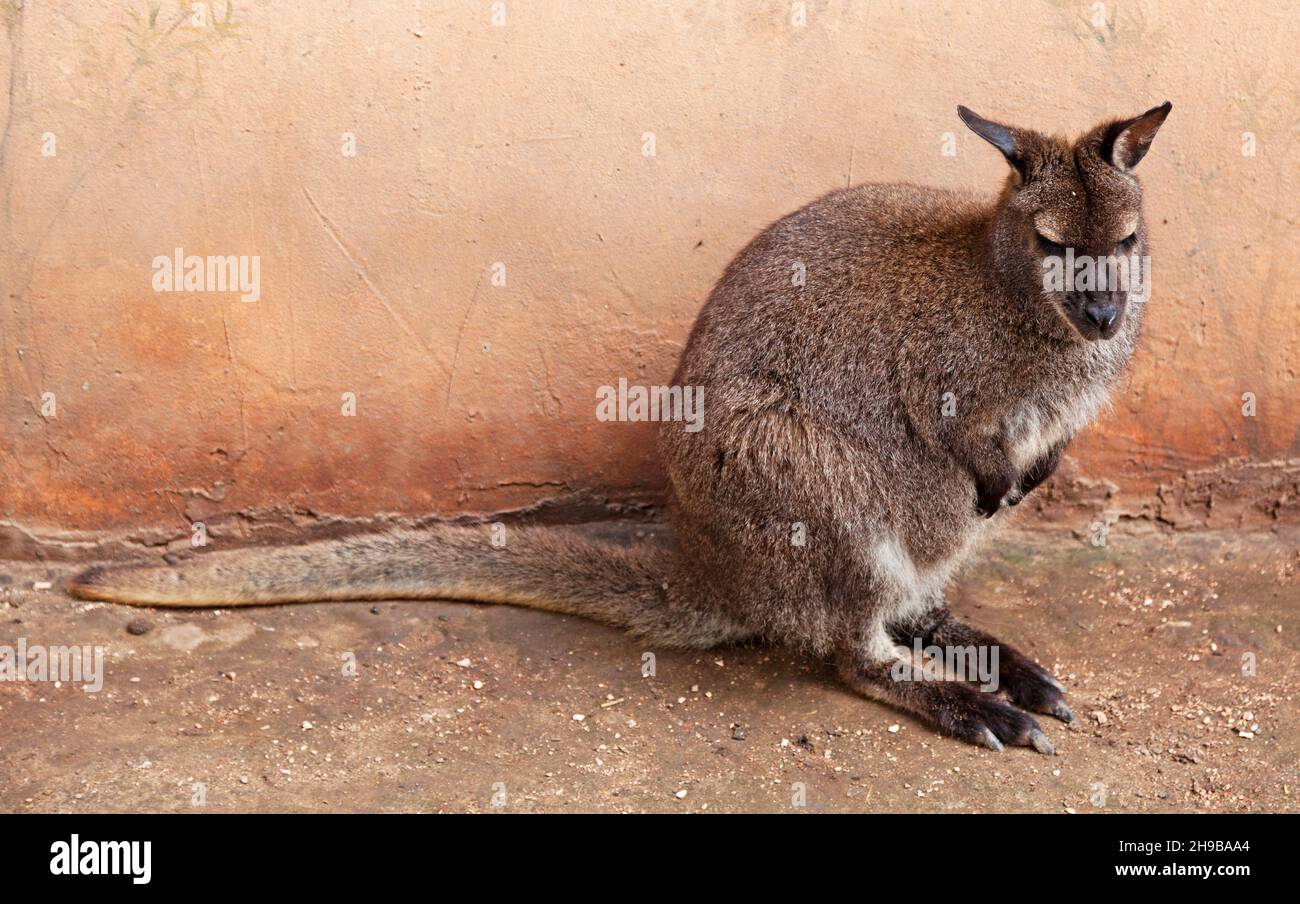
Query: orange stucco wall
524,144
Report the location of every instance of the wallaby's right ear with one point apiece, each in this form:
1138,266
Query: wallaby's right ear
1126,142
1001,137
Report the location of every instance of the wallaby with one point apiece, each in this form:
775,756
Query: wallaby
884,370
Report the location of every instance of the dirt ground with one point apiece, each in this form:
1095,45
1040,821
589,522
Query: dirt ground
463,707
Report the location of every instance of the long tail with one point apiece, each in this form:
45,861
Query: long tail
541,568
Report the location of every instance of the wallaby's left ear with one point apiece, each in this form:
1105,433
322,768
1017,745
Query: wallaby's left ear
1001,137
1127,142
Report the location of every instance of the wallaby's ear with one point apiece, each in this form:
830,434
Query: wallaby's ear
1127,142
1001,137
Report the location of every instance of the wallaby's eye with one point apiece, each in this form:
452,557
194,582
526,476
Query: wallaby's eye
1127,243
1048,247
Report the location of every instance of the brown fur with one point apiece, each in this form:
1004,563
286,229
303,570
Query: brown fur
824,422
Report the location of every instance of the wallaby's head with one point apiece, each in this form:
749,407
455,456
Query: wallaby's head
1069,230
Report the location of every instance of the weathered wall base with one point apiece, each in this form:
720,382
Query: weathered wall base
1238,494
287,525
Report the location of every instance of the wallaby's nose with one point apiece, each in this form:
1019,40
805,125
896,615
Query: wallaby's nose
1103,315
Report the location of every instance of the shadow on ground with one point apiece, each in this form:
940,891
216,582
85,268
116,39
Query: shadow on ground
461,707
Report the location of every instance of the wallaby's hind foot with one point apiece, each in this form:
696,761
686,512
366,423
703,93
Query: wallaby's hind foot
1024,681
957,708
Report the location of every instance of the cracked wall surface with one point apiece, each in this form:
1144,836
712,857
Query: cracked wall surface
501,245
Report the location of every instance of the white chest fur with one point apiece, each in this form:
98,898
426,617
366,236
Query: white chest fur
1044,421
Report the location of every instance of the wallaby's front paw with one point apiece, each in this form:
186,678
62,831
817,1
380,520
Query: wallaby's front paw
1038,472
990,492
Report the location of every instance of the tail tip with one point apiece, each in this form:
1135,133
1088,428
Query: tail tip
90,583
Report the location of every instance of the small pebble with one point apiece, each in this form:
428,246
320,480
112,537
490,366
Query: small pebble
138,626
681,794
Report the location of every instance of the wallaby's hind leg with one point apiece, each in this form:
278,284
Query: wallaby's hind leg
1025,682
873,666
